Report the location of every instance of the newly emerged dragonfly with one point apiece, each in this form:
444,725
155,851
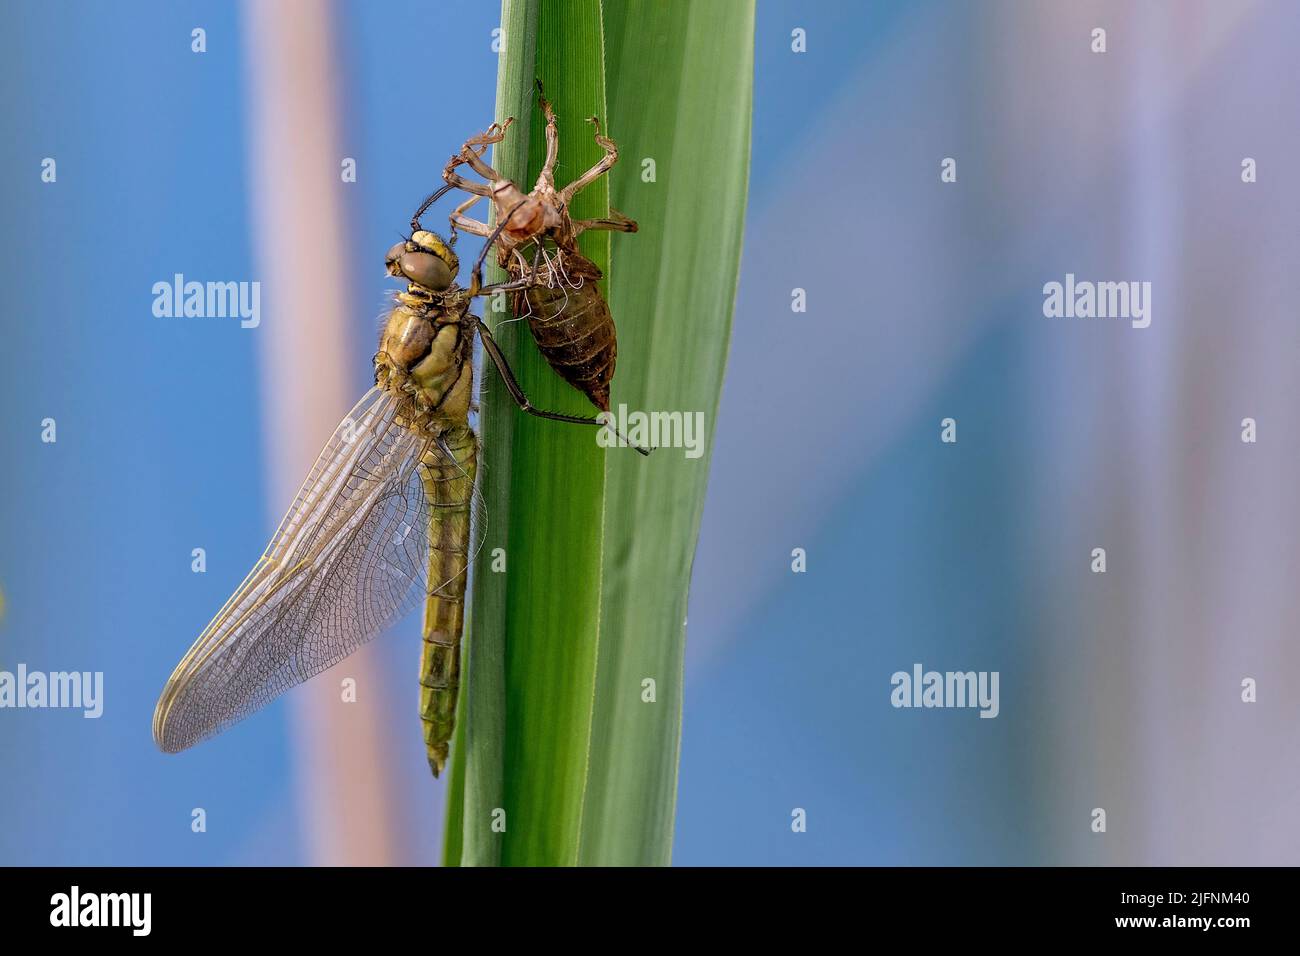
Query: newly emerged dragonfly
382,522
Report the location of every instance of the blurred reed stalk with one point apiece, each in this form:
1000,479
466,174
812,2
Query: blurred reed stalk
345,779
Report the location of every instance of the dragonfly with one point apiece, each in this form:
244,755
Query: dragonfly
382,523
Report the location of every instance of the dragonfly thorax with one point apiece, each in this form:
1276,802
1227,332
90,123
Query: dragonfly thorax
426,358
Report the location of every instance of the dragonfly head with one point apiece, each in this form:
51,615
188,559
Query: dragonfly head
425,260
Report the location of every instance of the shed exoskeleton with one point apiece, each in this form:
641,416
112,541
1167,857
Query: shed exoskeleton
555,288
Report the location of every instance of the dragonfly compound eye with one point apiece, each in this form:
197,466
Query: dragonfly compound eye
391,257
426,269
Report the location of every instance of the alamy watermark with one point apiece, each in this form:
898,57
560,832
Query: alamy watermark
922,688
75,908
1098,300
625,428
73,690
209,300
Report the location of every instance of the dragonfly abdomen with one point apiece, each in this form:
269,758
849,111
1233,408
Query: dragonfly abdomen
574,330
449,487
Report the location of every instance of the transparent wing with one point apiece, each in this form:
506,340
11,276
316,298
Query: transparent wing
350,558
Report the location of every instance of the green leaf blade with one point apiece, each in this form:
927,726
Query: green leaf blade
557,492
680,93
600,542
480,761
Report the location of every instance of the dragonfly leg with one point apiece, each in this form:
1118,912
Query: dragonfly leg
590,176
514,285
453,182
460,182
617,222
547,175
476,278
517,393
461,221
472,152
424,207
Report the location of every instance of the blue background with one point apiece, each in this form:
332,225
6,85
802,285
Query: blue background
1118,691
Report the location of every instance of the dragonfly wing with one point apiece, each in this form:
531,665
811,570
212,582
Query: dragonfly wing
349,559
